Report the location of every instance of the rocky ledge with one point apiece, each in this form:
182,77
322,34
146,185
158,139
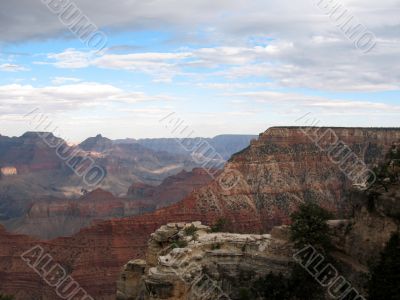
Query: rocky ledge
188,261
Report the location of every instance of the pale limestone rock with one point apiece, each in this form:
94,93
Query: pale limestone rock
129,285
207,267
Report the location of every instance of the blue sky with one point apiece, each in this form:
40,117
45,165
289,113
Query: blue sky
226,67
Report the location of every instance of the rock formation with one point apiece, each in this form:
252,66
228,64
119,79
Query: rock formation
187,261
47,219
8,171
172,189
51,218
258,189
33,168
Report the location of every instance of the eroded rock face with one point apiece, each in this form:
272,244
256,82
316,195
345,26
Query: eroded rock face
376,219
172,189
276,173
360,240
51,218
48,219
130,285
284,168
186,261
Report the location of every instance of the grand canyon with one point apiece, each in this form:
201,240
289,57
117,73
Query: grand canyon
199,150
273,176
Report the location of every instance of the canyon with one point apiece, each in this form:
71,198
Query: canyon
193,261
190,261
36,167
257,190
47,219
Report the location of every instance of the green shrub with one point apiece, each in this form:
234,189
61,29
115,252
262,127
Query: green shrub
191,231
179,244
216,246
299,286
309,227
271,287
244,294
221,225
384,280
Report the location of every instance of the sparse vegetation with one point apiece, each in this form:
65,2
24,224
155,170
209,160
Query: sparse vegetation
222,225
387,173
244,294
273,287
384,280
179,244
299,286
6,297
215,246
191,231
310,227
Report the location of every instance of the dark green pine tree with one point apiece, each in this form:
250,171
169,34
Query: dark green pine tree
6,297
309,227
384,282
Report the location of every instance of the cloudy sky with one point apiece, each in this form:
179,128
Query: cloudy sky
226,66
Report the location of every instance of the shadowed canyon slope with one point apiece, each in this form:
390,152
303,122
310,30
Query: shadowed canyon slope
52,218
277,172
32,171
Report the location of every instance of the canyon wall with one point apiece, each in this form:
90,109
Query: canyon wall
51,218
271,177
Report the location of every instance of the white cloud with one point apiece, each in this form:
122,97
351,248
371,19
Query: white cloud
17,98
304,102
307,48
62,80
71,59
316,65
12,68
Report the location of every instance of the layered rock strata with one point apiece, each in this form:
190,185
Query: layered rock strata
273,176
205,266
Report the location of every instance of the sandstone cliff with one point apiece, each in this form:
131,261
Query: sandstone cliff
172,189
51,218
276,173
188,261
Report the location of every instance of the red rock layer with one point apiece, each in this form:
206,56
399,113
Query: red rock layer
172,189
276,173
48,219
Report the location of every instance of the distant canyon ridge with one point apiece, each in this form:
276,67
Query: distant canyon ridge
40,195
280,170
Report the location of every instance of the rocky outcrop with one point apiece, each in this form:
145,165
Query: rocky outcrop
182,257
8,171
270,178
358,241
376,217
187,261
96,144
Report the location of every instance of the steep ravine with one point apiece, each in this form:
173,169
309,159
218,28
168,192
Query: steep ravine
276,173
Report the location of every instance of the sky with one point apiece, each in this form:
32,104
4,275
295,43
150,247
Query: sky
221,67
